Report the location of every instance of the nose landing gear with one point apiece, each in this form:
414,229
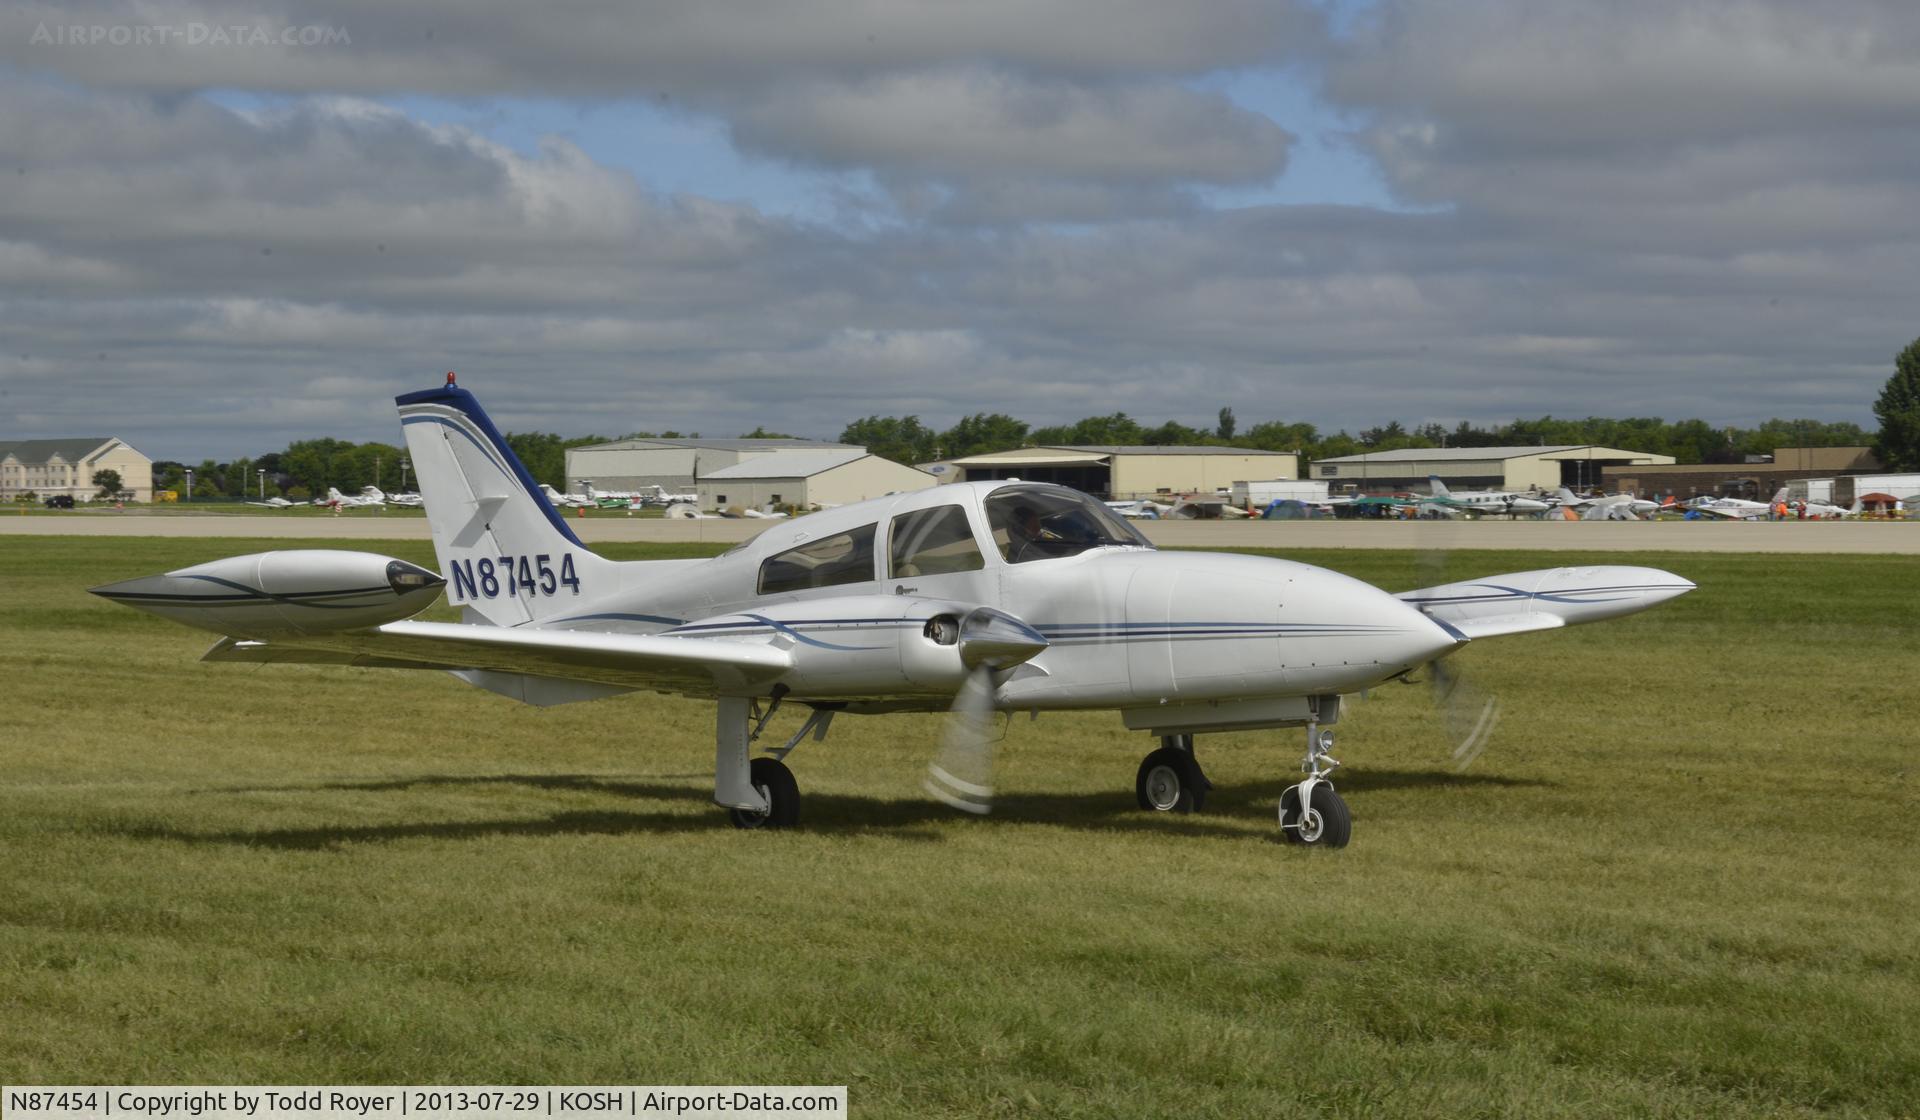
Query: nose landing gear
1310,811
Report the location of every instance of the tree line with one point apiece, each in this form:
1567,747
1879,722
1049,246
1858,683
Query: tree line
905,439
307,467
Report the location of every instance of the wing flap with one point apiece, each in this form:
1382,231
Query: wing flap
695,666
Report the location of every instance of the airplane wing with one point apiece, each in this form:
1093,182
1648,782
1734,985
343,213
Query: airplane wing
692,666
1520,602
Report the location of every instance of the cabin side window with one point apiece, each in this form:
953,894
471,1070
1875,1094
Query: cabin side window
930,542
828,562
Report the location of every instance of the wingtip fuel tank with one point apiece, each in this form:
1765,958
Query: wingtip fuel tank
285,593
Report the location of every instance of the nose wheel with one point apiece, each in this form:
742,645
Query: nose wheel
1326,822
1310,811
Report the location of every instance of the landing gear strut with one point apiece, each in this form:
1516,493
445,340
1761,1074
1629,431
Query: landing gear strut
760,793
1170,779
1310,812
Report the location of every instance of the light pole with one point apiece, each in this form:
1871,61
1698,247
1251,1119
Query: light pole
189,471
404,464
262,472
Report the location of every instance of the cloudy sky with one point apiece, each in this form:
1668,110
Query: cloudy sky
224,226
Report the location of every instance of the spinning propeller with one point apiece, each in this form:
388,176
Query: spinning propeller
990,641
1468,714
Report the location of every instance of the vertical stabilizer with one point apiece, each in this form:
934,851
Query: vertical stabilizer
1438,487
505,551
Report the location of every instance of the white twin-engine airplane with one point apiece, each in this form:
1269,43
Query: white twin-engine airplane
982,598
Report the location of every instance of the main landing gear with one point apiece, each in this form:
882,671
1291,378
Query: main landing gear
1310,812
1170,779
760,793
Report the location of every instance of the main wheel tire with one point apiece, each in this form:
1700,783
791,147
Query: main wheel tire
775,782
1328,824
1170,781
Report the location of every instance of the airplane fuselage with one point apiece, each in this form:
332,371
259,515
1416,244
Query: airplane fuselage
1125,626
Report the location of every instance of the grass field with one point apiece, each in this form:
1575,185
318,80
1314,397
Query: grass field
1681,882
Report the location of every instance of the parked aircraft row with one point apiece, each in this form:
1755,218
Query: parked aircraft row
369,497
1441,502
617,499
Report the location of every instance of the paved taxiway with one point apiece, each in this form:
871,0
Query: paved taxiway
1557,536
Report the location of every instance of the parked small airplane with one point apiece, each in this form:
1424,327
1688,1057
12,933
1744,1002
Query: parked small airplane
977,598
687,511
567,501
1739,509
1140,509
369,498
1609,507
653,495
1479,502
406,499
660,496
275,503
1818,511
1204,507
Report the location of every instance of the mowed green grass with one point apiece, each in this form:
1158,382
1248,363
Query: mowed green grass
1681,882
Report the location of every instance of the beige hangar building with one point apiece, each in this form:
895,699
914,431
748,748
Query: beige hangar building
1123,472
633,464
46,467
826,477
1578,467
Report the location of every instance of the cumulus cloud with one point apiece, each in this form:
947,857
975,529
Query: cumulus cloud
1075,104
982,128
1679,209
614,48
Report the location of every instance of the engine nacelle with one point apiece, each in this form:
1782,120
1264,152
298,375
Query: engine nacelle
878,645
284,594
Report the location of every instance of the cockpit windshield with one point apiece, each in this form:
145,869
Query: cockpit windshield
1038,521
